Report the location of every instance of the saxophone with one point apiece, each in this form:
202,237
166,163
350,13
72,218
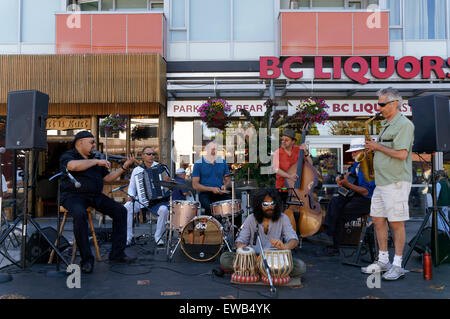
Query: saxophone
365,159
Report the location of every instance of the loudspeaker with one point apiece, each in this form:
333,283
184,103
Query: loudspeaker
431,118
26,120
38,249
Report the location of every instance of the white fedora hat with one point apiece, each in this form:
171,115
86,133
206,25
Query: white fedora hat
356,144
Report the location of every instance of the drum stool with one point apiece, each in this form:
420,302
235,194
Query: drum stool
74,249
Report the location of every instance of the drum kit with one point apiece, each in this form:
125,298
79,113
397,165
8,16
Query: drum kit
201,237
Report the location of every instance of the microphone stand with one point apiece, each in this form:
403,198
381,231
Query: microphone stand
134,199
273,290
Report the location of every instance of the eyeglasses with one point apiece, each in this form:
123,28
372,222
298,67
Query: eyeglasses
154,154
384,104
267,204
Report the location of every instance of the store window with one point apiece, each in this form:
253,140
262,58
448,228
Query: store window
425,19
144,132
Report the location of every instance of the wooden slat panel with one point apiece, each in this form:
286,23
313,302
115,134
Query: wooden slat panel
98,109
106,78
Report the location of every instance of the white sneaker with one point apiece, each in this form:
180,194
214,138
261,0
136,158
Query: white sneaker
382,267
394,273
159,242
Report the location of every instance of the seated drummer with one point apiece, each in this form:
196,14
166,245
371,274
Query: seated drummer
180,177
208,178
274,228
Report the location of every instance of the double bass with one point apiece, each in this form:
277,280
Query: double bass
303,210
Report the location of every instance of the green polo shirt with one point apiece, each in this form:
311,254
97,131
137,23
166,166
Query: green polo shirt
397,134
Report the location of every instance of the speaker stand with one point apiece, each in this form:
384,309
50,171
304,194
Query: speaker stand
25,218
433,211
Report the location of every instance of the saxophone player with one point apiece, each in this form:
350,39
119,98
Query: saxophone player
393,177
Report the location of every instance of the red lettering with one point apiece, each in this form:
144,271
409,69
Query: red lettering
344,107
318,69
175,108
355,108
336,108
357,75
337,67
182,109
188,108
196,108
264,67
368,108
427,67
375,67
448,64
287,67
259,108
401,67
252,108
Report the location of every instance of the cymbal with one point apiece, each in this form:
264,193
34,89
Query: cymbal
176,185
246,188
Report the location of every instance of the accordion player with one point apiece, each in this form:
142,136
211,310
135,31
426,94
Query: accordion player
148,184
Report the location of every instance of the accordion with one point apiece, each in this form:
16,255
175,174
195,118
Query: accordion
148,184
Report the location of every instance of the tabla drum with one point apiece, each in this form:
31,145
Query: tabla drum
201,238
223,208
280,265
183,212
245,266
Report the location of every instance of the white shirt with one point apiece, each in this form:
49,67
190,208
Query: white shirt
132,191
4,186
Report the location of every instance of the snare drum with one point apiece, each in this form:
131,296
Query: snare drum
280,265
245,266
223,208
201,238
183,212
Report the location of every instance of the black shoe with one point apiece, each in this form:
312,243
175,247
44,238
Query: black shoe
87,266
327,251
123,260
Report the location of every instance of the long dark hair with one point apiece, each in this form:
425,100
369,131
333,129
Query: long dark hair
258,199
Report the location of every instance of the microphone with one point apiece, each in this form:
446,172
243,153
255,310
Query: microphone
118,188
256,235
73,180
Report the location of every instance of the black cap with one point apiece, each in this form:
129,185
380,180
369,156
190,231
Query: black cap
82,134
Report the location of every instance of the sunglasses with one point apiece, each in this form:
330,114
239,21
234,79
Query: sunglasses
267,204
154,154
384,104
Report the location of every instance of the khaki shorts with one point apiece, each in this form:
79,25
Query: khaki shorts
391,201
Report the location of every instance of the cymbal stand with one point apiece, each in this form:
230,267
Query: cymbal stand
232,210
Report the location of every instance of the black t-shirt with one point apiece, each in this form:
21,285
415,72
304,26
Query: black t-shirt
91,180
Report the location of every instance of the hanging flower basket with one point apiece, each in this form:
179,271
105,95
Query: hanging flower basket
215,113
114,123
313,110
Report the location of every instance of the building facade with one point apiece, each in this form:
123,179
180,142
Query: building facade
242,51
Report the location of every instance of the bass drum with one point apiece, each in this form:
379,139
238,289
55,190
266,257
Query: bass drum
202,238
